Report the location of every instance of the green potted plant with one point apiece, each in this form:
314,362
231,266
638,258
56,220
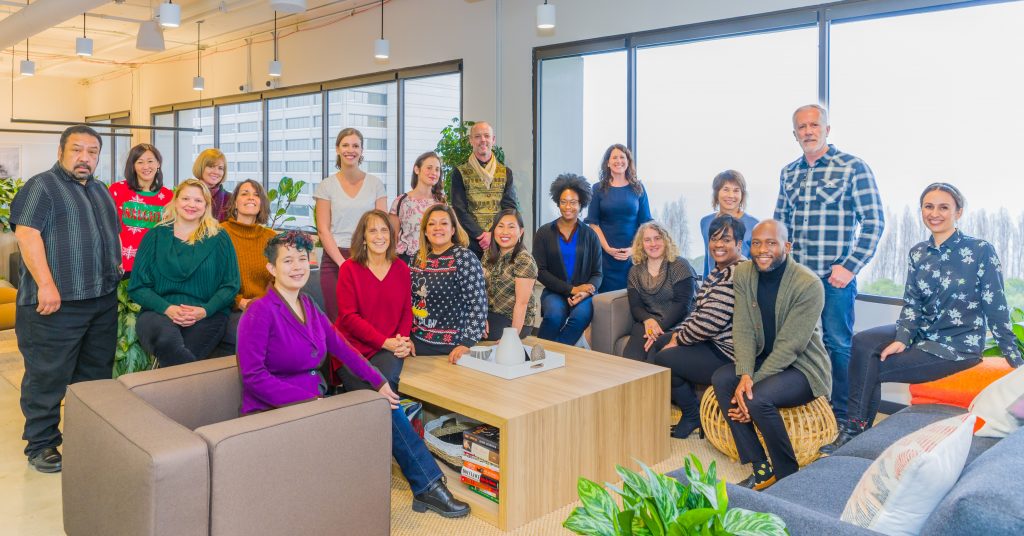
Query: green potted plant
281,198
653,504
1017,324
9,187
454,149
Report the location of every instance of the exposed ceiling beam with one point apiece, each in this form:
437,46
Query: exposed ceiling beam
39,16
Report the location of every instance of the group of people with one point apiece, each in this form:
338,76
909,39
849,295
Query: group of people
434,276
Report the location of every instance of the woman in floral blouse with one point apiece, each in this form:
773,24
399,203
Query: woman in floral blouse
954,288
510,272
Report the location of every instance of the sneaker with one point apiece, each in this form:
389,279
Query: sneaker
47,460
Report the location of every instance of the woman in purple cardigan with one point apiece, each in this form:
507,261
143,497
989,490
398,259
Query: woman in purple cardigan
283,339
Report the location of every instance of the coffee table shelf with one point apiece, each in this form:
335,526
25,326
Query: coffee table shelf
579,420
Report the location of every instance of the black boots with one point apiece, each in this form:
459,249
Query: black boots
439,499
683,396
686,425
849,430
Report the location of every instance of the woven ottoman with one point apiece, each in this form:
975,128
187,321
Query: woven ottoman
810,427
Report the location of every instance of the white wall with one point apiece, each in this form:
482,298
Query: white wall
39,97
494,38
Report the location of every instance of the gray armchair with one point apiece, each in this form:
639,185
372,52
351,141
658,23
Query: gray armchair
612,322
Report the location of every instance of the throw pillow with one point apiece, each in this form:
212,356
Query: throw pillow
1017,409
903,486
993,405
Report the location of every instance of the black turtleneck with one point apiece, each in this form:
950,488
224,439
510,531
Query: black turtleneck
767,290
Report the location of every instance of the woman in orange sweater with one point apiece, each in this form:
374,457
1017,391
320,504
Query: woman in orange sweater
248,211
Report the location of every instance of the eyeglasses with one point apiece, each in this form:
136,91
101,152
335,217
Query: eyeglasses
568,203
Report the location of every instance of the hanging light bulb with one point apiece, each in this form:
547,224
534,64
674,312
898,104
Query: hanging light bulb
170,15
83,45
545,16
381,47
28,67
275,64
198,83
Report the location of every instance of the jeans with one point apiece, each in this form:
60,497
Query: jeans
407,447
786,389
175,345
867,371
389,366
561,322
74,344
837,334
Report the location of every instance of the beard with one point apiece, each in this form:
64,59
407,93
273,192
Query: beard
776,262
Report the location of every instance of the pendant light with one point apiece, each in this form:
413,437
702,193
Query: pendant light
288,6
545,16
28,67
198,83
275,64
83,45
381,47
170,15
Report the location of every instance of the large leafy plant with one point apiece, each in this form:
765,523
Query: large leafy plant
454,149
128,354
1017,325
8,189
657,505
282,197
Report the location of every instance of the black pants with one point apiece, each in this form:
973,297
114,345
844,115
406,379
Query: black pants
386,362
867,371
635,344
786,389
695,364
175,345
72,345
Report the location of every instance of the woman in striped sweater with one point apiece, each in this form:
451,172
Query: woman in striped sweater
695,349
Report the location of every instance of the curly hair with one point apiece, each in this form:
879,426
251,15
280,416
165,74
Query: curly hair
605,178
574,182
640,256
296,239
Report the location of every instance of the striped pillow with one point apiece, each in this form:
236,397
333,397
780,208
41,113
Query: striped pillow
904,485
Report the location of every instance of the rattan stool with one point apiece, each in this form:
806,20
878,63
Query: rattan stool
810,427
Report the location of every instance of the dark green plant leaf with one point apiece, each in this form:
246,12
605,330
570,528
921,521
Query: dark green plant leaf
272,195
581,521
624,523
696,518
649,514
596,499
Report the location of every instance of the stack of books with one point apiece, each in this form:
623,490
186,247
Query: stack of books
480,469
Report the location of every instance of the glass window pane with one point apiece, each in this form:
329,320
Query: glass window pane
240,126
583,111
164,142
291,136
707,106
376,121
944,73
431,103
190,144
104,172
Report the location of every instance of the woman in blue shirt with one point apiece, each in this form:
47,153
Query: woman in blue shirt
954,288
618,208
728,196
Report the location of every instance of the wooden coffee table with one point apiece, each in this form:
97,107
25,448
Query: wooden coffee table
556,426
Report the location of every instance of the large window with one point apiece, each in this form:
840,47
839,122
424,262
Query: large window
431,103
295,114
163,140
190,144
347,110
239,126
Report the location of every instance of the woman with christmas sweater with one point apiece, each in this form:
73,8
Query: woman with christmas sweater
449,296
140,200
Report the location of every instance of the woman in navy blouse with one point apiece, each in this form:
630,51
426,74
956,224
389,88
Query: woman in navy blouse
954,288
618,208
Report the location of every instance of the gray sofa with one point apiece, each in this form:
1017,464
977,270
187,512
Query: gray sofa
987,499
609,330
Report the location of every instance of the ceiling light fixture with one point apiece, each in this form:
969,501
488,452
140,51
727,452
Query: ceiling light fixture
198,83
28,67
275,64
170,15
288,6
83,45
381,47
545,16
150,37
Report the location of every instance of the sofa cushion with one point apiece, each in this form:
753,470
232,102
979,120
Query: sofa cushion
902,488
823,486
993,405
872,442
960,389
989,496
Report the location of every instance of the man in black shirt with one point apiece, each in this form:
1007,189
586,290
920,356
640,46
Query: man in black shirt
66,321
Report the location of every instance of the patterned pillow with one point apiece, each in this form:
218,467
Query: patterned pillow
907,481
993,405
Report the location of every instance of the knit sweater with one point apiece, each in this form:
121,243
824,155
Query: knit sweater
137,212
249,242
168,272
798,343
667,298
449,298
711,319
371,310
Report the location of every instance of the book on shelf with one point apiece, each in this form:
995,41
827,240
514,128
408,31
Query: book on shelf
482,487
480,466
475,451
483,493
476,476
484,435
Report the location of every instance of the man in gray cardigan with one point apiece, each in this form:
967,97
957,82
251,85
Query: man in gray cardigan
780,359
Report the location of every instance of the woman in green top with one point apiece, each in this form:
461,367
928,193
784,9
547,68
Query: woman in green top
510,273
185,279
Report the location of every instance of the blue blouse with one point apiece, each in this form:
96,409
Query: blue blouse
952,290
568,249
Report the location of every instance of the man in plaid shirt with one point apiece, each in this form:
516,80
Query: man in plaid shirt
830,202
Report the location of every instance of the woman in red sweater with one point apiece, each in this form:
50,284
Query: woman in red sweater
375,300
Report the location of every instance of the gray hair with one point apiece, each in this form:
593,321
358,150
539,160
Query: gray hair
822,112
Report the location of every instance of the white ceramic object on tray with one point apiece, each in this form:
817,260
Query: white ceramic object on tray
552,360
510,349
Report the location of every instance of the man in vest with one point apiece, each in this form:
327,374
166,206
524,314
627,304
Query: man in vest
481,188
